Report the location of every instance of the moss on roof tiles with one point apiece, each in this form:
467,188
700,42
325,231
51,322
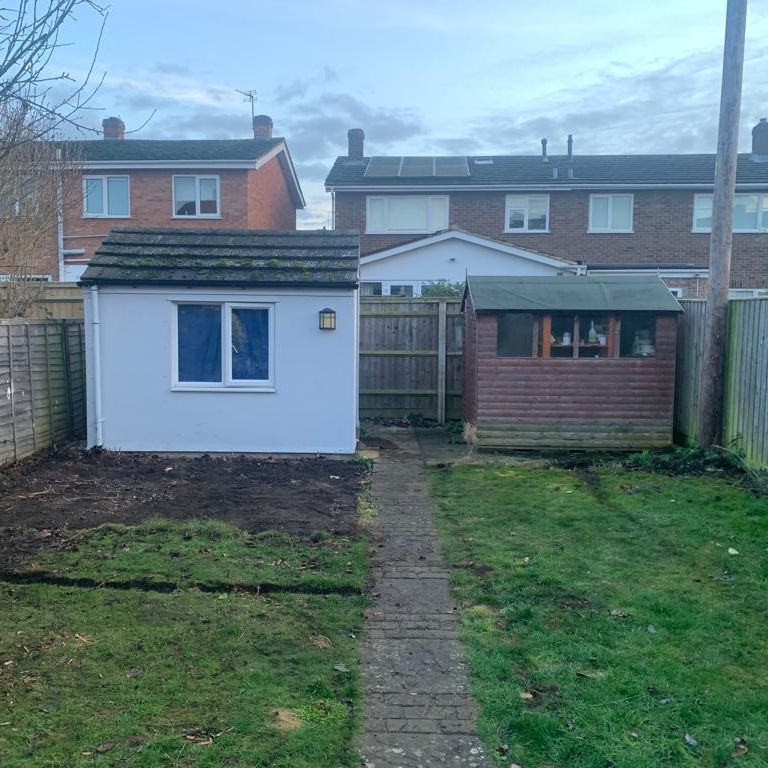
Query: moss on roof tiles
225,257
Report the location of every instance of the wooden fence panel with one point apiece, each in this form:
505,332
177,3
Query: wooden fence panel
410,357
42,385
690,340
745,406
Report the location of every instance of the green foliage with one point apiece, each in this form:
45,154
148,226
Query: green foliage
607,614
442,289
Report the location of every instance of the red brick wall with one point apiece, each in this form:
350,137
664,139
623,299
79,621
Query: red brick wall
662,222
270,205
618,402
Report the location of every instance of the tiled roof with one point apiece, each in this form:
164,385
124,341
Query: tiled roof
100,150
226,257
588,170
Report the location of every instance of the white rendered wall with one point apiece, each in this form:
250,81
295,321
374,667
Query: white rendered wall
450,260
314,407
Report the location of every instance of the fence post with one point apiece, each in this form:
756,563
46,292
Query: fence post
441,358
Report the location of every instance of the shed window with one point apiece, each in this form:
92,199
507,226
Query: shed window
370,289
638,335
224,345
515,332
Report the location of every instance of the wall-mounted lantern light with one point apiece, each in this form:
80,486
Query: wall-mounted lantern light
327,319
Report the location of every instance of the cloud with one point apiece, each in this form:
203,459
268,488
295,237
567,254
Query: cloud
662,107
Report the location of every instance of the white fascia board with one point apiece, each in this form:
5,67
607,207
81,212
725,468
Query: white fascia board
89,165
468,238
670,272
531,187
274,152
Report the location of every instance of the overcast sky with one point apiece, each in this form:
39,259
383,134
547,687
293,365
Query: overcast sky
423,76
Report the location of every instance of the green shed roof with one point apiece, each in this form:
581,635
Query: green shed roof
572,293
226,257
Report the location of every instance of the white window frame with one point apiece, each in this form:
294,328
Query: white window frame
610,197
762,207
198,178
227,383
105,196
525,228
386,198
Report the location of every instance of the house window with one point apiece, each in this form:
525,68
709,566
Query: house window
401,290
196,196
610,213
106,196
406,214
224,345
370,289
750,213
527,213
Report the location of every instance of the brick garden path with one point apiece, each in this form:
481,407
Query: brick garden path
419,712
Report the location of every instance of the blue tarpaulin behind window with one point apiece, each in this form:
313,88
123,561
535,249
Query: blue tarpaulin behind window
250,344
199,342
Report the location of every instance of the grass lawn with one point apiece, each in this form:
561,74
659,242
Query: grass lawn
611,618
146,678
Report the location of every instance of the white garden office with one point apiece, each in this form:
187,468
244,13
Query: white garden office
222,341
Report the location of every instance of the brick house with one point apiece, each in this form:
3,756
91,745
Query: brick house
605,213
229,184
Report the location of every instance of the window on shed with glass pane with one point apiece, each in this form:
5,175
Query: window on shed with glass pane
517,334
637,337
223,345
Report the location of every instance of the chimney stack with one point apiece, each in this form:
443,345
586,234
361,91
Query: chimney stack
262,127
355,143
760,138
570,146
113,127
544,158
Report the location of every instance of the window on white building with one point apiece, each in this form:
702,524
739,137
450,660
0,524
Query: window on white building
196,196
527,213
750,213
610,213
106,196
224,345
406,214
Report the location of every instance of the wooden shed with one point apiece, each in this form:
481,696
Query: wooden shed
569,361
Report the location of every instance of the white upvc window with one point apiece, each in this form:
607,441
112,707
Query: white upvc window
223,346
107,197
750,213
611,213
196,197
527,213
406,214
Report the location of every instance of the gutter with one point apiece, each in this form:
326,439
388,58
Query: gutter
97,405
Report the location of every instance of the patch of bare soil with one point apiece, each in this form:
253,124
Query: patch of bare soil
45,500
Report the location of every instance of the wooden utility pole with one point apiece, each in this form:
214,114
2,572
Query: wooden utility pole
711,385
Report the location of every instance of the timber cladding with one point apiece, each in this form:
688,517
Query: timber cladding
42,385
568,402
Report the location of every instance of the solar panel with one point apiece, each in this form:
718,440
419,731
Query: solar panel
383,167
451,166
418,166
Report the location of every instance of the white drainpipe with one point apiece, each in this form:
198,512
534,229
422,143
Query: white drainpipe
59,222
96,323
